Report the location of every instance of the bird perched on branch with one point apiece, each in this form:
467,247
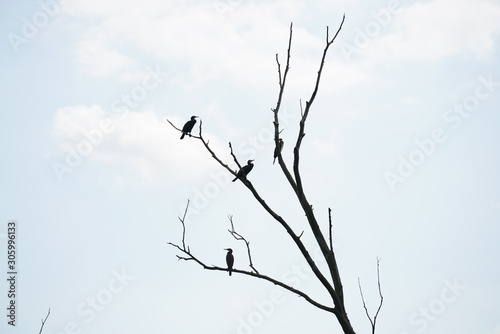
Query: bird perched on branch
229,260
278,149
243,172
186,129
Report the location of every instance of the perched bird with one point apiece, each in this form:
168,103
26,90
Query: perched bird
229,260
186,129
243,172
278,149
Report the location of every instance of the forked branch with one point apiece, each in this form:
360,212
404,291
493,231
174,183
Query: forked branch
264,204
188,255
335,290
238,236
373,321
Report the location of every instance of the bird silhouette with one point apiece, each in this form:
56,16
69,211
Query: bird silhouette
186,129
278,149
243,172
229,260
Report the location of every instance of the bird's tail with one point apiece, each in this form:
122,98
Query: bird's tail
183,134
274,160
235,179
230,272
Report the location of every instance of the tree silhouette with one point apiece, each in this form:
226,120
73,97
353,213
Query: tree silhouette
330,279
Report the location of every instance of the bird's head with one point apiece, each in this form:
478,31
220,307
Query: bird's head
250,161
193,117
229,250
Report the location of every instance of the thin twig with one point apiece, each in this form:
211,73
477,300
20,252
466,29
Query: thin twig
184,225
238,236
234,156
379,292
310,102
373,321
43,321
279,71
330,228
282,83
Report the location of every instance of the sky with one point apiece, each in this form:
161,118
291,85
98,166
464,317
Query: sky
401,143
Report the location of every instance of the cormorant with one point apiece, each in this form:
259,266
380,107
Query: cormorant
229,260
278,149
243,172
186,130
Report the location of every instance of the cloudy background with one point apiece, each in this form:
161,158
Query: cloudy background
401,143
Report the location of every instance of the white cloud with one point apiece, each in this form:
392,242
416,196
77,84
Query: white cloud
71,122
240,46
100,60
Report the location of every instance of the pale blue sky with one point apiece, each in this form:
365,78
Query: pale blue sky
402,144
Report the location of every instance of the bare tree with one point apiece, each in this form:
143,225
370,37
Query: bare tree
330,280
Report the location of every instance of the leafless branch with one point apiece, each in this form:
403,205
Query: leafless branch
263,203
276,109
373,321
309,103
279,71
238,236
184,225
43,321
296,182
190,256
330,228
234,157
